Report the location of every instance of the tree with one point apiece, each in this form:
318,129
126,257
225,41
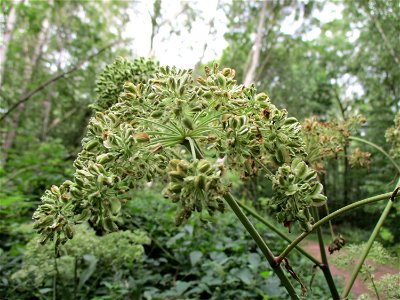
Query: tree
41,40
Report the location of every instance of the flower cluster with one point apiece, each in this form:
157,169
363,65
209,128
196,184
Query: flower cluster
327,139
359,158
172,126
195,185
393,136
110,81
296,189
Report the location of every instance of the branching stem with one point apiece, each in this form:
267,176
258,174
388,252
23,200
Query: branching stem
330,217
261,244
277,231
325,268
371,240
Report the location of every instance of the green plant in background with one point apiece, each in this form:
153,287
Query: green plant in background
189,134
80,260
382,288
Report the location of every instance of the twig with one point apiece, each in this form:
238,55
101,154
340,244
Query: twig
28,95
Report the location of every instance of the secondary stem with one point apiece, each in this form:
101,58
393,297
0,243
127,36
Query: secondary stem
277,231
378,148
330,217
371,240
330,223
261,244
325,267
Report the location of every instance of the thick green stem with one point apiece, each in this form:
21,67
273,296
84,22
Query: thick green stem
378,148
371,240
277,231
330,217
261,244
325,268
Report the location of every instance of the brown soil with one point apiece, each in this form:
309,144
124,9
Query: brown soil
359,287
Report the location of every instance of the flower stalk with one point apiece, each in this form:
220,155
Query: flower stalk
261,244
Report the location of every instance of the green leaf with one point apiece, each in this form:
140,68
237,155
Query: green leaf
88,272
195,257
182,286
246,276
254,259
265,274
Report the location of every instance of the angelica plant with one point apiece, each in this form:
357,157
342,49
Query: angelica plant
186,134
175,127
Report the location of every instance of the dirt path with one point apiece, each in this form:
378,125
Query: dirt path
359,287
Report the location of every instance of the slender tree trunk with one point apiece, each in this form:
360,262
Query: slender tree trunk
250,74
46,117
155,27
31,65
386,41
7,35
346,165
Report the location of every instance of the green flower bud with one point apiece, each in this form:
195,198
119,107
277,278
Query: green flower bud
188,123
200,182
207,95
156,114
104,158
91,144
115,205
142,137
175,187
130,87
55,190
83,216
69,231
179,175
221,79
290,121
204,165
202,81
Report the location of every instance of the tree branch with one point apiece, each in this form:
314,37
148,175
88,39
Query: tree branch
28,95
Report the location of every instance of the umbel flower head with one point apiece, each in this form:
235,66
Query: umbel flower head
175,128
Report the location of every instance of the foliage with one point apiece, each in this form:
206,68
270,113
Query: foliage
387,286
378,255
213,260
41,164
80,259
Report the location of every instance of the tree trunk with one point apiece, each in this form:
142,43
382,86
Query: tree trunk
46,117
250,74
9,30
31,65
346,165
